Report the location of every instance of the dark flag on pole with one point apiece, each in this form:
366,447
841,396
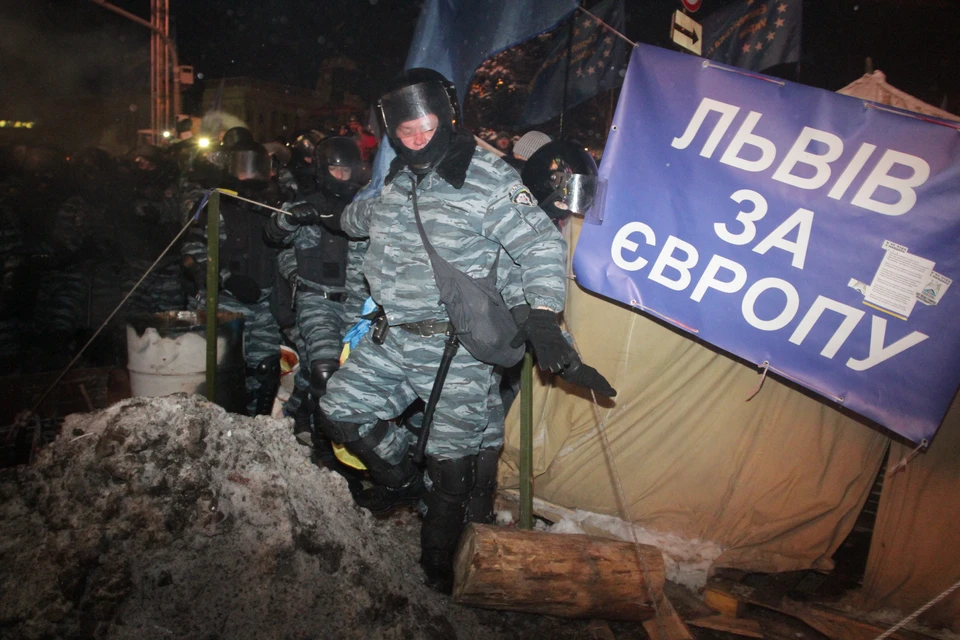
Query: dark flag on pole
754,34
455,36
597,63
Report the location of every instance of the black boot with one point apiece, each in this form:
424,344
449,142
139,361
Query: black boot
480,506
302,415
396,484
446,502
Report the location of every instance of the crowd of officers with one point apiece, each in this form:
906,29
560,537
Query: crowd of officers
301,259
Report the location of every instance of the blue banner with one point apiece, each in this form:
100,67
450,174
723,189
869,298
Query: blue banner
754,34
794,227
597,63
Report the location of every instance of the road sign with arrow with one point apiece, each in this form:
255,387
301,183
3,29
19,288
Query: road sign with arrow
686,32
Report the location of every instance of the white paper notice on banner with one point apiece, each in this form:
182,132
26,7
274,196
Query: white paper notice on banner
899,279
934,289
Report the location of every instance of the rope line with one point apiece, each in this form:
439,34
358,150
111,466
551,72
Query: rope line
912,616
109,318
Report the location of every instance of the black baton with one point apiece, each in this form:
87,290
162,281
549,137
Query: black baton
449,350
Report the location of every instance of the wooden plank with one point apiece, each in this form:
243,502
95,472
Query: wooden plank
737,626
722,602
666,622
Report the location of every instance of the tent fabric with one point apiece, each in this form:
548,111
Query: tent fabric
776,481
913,554
874,87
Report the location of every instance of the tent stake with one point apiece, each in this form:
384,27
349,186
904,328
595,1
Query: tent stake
213,285
526,442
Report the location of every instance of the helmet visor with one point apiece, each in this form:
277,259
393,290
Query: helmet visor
579,193
406,111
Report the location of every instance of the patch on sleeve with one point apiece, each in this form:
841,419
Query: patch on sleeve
519,194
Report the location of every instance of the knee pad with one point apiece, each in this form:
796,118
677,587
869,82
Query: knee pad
453,476
320,372
338,431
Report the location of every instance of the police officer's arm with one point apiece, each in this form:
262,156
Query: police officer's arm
355,219
533,242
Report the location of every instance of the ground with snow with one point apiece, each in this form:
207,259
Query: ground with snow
168,517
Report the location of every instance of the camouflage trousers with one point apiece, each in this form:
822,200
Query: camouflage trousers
378,382
261,333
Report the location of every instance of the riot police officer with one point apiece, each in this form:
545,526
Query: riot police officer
476,211
327,283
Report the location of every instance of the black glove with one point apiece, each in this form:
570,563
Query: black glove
552,350
555,354
584,375
244,288
302,213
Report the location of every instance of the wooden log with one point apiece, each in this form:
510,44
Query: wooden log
570,576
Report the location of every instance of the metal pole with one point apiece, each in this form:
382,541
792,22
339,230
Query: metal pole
213,285
526,442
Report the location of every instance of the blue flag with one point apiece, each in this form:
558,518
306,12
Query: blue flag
754,34
597,63
455,36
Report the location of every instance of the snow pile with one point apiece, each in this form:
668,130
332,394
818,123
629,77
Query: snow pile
168,517
686,562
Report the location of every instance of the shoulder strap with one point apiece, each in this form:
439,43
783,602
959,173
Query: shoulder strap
429,247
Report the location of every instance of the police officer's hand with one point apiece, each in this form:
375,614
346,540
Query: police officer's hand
541,330
584,375
244,288
302,213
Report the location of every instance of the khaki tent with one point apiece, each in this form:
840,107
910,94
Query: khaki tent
776,481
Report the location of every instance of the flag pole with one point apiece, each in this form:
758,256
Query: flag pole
566,70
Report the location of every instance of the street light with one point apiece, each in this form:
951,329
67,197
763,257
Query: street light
155,125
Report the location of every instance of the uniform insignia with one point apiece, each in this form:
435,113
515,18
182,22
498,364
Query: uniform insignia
519,194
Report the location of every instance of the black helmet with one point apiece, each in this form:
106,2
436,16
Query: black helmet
413,97
305,146
235,135
248,161
563,178
339,151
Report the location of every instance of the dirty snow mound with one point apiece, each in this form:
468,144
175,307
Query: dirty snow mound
168,517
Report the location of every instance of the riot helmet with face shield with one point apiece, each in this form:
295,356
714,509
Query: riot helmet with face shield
564,179
337,166
420,112
248,161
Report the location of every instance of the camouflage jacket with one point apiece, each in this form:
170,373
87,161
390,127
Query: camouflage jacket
473,205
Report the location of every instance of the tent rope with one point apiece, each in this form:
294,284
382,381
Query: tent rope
621,499
96,333
918,612
765,367
905,460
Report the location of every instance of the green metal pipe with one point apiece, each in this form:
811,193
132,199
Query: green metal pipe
213,287
526,442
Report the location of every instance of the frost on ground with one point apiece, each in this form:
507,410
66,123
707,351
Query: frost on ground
168,517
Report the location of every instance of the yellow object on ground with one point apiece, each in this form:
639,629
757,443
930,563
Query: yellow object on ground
347,458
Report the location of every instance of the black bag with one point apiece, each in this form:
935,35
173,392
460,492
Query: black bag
476,309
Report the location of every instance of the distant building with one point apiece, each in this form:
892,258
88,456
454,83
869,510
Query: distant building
270,109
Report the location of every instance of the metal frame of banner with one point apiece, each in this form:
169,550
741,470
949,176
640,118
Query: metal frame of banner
711,65
880,107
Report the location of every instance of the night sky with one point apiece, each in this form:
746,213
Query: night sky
58,48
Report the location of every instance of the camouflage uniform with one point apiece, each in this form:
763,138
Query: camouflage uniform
12,255
472,206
